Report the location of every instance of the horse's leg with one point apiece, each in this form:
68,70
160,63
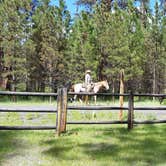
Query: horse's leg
80,100
75,97
86,99
94,113
161,99
95,98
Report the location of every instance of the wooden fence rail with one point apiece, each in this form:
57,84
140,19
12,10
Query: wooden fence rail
27,127
7,93
62,107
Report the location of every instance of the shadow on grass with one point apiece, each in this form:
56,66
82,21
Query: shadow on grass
143,145
59,148
9,145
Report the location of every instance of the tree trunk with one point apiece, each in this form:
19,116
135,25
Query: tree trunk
121,100
113,91
154,80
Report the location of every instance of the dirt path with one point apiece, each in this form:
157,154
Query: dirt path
158,114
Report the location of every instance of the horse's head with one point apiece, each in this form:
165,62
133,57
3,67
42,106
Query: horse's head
105,84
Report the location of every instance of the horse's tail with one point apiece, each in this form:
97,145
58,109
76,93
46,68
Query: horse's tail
68,85
71,89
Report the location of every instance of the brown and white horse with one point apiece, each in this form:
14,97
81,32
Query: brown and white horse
95,88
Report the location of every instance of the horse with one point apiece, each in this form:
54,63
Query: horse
98,86
94,88
78,88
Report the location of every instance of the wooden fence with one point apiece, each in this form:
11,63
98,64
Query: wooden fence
4,93
62,107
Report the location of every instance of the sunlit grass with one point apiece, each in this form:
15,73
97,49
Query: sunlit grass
81,145
85,145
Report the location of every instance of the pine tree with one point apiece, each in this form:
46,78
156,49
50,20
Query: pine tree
154,52
14,15
82,48
49,38
119,47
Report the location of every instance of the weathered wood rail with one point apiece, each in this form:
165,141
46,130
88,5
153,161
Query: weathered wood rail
7,93
62,107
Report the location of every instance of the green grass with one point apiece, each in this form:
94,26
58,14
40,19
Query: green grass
85,145
100,101
81,145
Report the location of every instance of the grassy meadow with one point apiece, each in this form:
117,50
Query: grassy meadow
81,145
85,145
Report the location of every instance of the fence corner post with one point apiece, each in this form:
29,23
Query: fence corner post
61,111
130,111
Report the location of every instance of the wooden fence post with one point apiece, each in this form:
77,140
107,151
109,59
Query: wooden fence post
131,111
121,98
61,111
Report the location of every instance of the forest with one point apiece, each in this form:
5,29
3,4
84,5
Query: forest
43,46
